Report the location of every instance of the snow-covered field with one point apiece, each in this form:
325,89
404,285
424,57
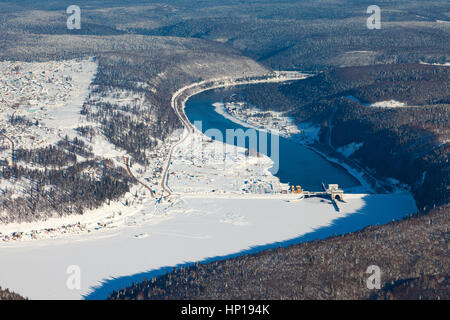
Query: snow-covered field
389,104
446,64
381,104
350,148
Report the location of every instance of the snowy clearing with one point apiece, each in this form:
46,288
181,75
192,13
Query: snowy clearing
381,104
389,104
446,64
350,148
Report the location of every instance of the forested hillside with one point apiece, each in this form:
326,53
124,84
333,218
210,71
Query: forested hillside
284,34
407,143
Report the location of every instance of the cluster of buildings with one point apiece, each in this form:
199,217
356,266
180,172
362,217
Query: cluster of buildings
43,233
35,86
32,92
205,166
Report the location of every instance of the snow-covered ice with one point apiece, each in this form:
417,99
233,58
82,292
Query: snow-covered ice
195,228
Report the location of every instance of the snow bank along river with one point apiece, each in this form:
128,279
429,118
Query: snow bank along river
195,227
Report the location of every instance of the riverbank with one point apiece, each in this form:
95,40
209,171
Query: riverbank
307,135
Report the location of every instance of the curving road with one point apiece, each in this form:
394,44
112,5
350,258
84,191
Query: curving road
134,177
178,105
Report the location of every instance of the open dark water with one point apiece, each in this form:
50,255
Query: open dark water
295,163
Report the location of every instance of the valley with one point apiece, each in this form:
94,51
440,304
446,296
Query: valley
224,150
